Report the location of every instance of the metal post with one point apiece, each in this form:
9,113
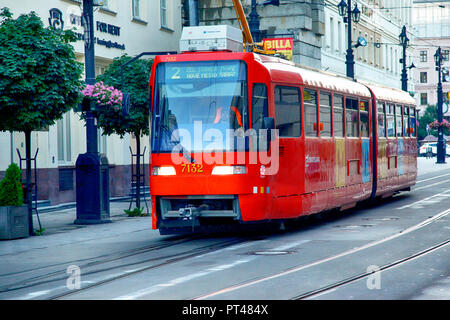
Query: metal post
193,12
404,74
441,143
254,23
92,171
350,58
89,58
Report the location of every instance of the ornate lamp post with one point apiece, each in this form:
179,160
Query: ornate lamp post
404,41
441,144
92,172
254,19
348,14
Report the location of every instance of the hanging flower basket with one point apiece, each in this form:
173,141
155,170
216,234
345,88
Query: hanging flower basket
435,124
100,95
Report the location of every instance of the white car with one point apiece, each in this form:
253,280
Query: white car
423,149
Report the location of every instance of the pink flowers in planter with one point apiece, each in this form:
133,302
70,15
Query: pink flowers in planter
435,124
103,95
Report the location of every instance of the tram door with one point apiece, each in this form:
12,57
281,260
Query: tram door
287,184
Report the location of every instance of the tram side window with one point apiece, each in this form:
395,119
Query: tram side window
364,118
325,114
259,105
381,120
351,117
390,120
287,111
338,115
406,126
412,121
399,120
310,107
259,111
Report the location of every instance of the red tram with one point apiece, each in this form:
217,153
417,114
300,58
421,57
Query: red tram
243,137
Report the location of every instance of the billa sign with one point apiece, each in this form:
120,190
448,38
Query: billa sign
280,45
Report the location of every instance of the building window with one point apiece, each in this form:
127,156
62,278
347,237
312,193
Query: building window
423,77
163,13
310,109
423,56
423,99
136,8
445,55
287,111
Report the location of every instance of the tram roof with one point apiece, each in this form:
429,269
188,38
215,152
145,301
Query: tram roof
390,94
279,68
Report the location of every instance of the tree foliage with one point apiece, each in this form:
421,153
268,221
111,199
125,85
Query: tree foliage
136,77
39,74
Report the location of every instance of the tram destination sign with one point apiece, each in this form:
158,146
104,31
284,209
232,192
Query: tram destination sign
224,70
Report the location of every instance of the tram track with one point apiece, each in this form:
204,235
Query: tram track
157,261
331,287
317,291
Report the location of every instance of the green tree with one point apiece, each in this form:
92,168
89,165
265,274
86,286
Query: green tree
39,77
136,77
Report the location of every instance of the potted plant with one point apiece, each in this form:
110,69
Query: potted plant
13,214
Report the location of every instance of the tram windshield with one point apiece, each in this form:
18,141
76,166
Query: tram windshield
199,106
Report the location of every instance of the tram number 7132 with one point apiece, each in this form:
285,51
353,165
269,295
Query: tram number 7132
192,168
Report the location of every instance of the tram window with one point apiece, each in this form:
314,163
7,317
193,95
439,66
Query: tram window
399,120
325,114
310,108
390,120
259,105
381,120
259,111
406,131
412,121
364,118
351,117
338,115
287,111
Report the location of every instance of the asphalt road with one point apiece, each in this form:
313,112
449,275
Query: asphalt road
395,249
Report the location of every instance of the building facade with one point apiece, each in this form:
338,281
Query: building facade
380,24
120,27
432,21
303,21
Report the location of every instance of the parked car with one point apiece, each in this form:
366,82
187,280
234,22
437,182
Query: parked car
423,149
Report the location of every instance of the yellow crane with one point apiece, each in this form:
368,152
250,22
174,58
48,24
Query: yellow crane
249,45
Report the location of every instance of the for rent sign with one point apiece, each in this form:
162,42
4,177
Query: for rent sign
280,45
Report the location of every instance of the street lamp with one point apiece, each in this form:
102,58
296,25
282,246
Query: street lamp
404,41
254,18
349,15
440,145
92,172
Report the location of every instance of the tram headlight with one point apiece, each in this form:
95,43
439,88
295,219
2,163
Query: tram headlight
163,171
227,170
